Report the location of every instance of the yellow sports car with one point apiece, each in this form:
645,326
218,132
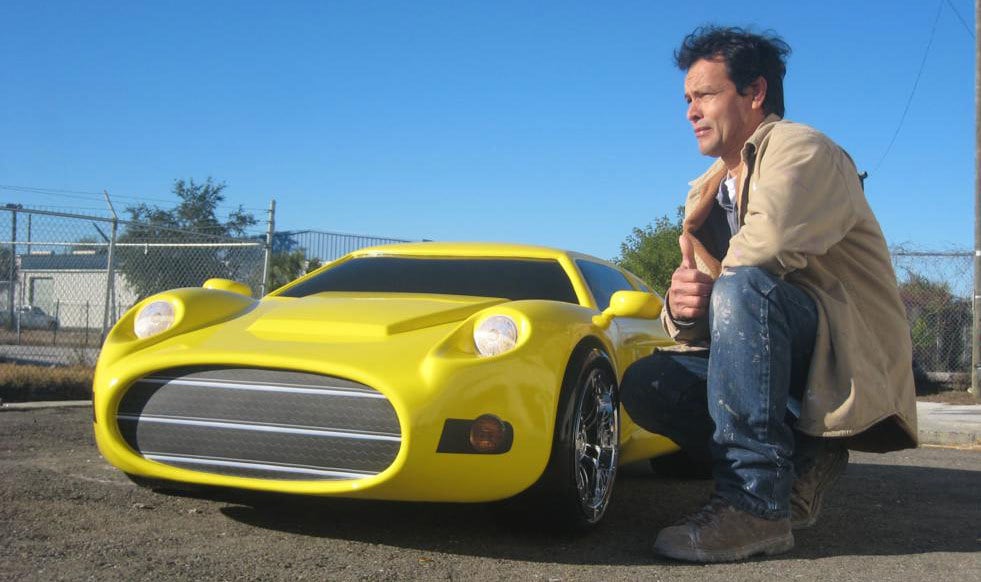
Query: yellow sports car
426,371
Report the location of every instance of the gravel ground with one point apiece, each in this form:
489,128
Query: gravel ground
66,515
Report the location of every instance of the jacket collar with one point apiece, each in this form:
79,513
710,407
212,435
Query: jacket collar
748,153
754,141
705,186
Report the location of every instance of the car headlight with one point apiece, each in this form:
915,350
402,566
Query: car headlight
156,317
495,335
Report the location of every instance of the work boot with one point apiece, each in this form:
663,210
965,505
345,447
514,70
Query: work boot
722,533
810,487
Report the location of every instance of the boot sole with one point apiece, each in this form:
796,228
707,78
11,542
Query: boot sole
768,547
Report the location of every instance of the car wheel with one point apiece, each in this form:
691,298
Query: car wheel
596,450
575,489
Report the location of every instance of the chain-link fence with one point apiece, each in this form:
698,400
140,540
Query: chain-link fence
327,246
66,278
936,288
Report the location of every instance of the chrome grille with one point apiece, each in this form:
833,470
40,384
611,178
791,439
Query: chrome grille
268,424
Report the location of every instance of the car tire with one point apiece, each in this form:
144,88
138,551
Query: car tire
577,485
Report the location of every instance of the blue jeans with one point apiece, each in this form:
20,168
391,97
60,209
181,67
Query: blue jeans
737,407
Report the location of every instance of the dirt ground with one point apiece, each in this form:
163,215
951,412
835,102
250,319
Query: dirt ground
65,514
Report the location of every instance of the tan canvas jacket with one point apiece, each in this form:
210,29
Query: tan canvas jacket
804,217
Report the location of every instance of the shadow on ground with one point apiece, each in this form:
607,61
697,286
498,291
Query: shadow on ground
875,510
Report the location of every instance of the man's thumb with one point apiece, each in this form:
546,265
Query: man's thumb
687,252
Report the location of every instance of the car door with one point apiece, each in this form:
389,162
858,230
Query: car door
637,336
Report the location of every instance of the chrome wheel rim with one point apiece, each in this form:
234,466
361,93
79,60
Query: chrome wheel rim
597,436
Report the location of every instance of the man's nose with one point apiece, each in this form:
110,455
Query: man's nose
694,113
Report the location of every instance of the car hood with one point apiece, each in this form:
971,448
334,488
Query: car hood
361,315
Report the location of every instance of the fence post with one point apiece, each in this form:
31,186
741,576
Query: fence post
267,257
976,304
110,274
54,332
13,263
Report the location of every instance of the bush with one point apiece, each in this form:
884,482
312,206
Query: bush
20,383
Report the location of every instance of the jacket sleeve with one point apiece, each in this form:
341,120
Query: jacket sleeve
687,332
801,201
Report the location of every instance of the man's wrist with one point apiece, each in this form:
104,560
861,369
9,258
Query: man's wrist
681,323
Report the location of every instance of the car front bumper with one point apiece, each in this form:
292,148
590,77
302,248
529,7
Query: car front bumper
295,423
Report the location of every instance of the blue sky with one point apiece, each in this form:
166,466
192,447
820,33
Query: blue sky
556,123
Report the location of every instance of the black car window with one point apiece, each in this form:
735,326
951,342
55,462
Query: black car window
513,279
603,281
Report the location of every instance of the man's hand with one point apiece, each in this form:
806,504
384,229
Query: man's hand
688,297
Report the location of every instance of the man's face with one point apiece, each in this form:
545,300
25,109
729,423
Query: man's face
722,118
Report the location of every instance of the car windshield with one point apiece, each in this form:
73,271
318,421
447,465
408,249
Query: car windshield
513,279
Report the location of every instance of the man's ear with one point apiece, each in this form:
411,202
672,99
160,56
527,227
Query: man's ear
758,90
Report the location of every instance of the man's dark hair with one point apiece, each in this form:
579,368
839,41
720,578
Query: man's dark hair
747,57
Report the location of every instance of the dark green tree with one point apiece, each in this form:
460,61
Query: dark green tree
652,253
8,266
194,221
8,279
288,265
939,323
88,244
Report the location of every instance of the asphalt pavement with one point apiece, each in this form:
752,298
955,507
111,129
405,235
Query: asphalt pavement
66,514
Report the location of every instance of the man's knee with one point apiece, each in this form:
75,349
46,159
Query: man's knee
663,385
665,393
645,379
736,297
738,281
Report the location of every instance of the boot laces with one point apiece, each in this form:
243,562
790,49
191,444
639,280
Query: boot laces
709,513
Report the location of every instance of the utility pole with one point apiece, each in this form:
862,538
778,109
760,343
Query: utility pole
976,332
267,254
108,311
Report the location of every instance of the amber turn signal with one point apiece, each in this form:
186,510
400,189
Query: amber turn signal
487,433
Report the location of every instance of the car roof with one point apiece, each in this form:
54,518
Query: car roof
472,249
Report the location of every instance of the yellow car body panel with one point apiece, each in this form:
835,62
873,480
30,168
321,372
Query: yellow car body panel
417,350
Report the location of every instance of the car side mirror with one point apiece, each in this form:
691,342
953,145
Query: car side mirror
630,304
228,285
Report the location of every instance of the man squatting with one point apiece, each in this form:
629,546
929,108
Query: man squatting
786,278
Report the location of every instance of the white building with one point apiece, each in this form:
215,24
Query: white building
71,287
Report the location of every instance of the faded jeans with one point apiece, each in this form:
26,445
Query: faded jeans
737,407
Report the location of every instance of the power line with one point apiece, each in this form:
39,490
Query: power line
64,208
957,13
48,191
72,194
82,195
912,92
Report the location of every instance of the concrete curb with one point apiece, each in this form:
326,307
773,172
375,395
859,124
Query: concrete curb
949,425
45,404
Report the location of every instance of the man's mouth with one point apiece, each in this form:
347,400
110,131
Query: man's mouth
701,132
